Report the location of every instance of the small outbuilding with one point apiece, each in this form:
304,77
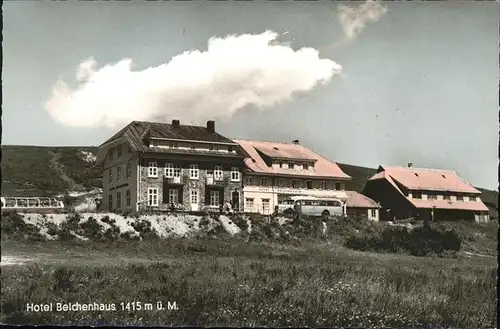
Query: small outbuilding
359,205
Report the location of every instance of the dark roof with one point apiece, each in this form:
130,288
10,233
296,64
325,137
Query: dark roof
193,152
134,133
137,133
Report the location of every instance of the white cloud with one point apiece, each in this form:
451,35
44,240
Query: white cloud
354,19
234,71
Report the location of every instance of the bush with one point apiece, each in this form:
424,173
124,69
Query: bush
14,226
417,242
143,227
240,222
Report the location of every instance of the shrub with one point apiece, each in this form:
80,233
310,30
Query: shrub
143,227
418,242
14,226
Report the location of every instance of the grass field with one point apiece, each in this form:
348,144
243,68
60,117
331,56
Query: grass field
229,282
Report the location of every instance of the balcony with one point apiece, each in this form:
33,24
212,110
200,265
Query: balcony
216,182
174,180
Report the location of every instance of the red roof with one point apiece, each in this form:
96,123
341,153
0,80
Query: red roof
448,204
358,200
426,179
322,167
431,180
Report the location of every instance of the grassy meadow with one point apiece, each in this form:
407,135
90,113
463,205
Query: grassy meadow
230,281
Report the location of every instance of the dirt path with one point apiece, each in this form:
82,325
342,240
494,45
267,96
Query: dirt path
59,168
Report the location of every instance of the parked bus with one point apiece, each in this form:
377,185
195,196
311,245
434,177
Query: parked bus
311,206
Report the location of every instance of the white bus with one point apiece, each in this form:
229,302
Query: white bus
311,206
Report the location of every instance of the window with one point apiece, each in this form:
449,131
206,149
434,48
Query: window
309,184
472,198
169,170
127,195
111,154
279,182
152,196
249,203
291,165
193,146
129,170
174,145
110,174
118,200
265,205
280,164
214,198
152,169
129,149
118,173
194,196
248,180
118,151
177,171
305,166
460,198
194,172
446,197
153,142
431,196
373,213
322,185
110,201
230,149
417,195
218,173
173,196
338,186
235,174
295,183
263,181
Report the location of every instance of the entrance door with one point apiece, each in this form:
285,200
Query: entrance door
194,199
236,200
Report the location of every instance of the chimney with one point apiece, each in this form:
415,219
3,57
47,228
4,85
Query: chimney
176,123
211,126
410,164
296,142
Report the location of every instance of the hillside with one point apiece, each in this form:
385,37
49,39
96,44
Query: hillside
36,170
41,171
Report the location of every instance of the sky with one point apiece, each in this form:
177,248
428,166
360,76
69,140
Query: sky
417,82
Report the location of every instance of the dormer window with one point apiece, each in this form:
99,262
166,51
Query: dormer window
280,164
291,165
417,195
305,166
472,198
153,142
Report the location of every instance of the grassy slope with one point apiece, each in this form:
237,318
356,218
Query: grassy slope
33,170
